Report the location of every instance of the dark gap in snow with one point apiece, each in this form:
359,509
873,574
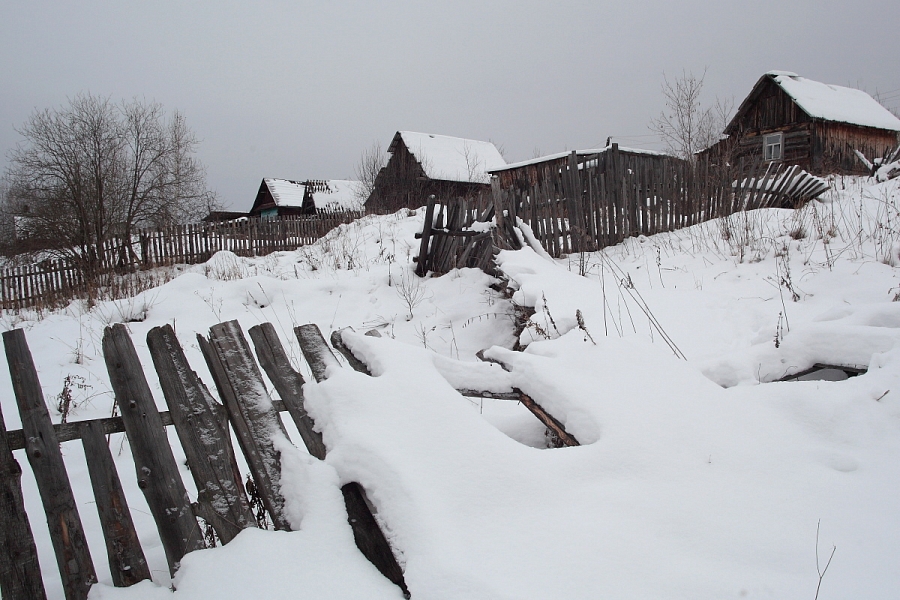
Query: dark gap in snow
824,372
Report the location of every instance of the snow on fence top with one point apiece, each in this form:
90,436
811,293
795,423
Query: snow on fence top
834,102
334,194
558,155
453,159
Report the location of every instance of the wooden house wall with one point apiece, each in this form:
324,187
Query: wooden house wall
402,183
818,146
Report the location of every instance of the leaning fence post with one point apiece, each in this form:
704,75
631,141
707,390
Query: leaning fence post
207,445
251,412
127,563
288,382
20,571
366,532
42,449
157,471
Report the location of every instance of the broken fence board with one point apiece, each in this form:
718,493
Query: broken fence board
288,383
127,563
20,571
206,443
155,466
251,411
42,450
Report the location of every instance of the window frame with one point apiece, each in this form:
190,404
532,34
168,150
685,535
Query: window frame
771,141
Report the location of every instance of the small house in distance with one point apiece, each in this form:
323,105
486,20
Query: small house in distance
283,197
422,164
817,126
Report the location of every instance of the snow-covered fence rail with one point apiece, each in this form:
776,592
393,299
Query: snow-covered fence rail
585,202
51,281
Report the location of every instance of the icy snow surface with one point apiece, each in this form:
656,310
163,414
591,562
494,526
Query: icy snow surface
698,477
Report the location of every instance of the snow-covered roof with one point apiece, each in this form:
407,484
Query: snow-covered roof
558,155
834,102
334,194
450,158
337,194
285,192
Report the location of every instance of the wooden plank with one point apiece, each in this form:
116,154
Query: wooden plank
366,532
127,563
20,571
288,383
251,412
207,444
157,473
422,266
42,449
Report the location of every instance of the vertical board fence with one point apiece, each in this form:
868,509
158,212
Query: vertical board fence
52,281
587,201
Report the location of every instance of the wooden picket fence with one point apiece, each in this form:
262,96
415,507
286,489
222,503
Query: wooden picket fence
587,202
202,424
52,281
450,240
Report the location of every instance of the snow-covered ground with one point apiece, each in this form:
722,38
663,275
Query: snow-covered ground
699,475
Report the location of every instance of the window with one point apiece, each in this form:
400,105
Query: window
772,145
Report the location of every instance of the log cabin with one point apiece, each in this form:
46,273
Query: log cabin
818,126
422,164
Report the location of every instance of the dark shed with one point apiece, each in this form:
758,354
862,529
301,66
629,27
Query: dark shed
422,164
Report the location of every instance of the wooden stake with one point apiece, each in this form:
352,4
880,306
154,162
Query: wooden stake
155,466
42,449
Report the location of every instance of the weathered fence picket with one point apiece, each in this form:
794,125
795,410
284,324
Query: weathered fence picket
127,564
20,571
157,472
42,450
288,383
206,443
250,410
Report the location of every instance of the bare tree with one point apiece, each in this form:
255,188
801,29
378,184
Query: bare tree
685,126
371,161
92,170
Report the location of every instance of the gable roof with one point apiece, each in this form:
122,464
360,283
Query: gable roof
824,101
450,158
286,193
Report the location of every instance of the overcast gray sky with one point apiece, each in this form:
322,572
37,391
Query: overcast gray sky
299,89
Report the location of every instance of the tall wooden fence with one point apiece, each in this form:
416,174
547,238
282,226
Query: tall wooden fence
587,202
50,281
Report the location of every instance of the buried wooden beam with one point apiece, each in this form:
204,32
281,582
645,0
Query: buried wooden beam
366,532
42,449
20,571
556,428
250,410
157,472
221,501
288,383
127,563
